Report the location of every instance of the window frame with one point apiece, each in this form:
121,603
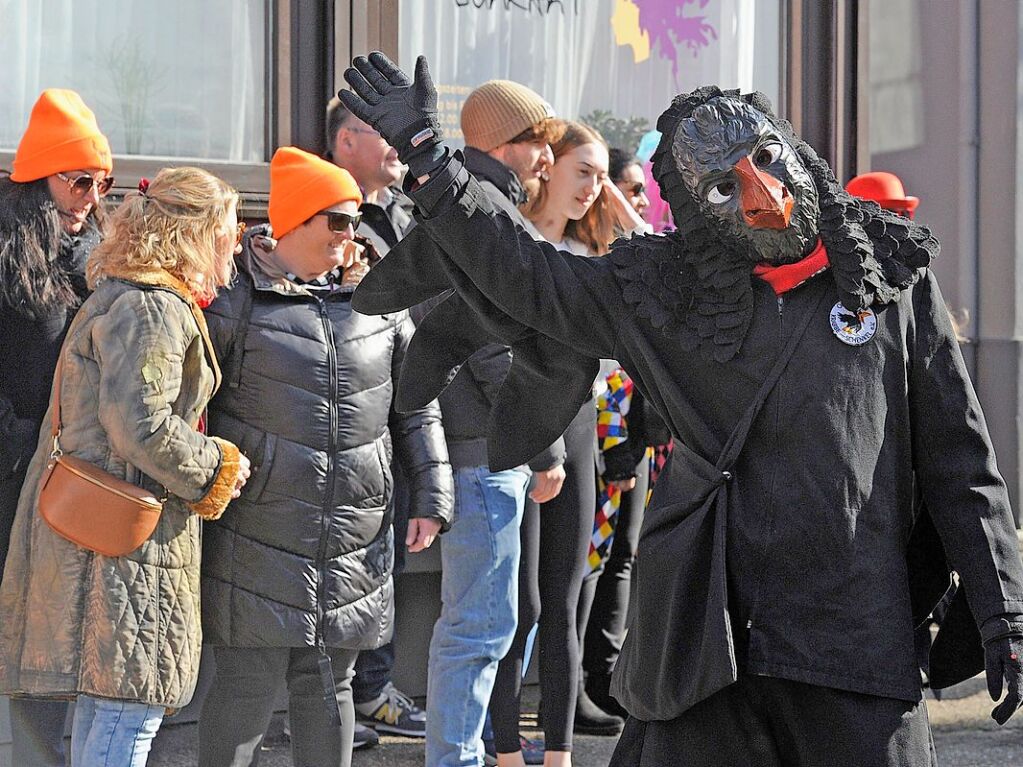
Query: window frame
251,179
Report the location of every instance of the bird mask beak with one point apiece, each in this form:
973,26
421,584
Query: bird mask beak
765,201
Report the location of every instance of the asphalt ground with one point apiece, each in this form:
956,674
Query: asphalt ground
964,736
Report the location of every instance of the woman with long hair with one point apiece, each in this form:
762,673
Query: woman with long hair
120,635
574,210
50,211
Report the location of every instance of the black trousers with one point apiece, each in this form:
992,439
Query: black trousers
770,722
238,707
607,588
555,539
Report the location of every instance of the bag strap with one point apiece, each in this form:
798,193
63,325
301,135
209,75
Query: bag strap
55,422
55,414
737,439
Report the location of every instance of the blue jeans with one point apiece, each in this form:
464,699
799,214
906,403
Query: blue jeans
113,733
479,595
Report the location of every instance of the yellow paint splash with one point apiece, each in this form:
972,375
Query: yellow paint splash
625,23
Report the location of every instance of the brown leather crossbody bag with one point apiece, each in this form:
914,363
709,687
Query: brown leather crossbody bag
89,506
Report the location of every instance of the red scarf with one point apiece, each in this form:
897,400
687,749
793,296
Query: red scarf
784,278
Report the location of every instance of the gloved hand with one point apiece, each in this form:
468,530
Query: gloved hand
1004,661
403,112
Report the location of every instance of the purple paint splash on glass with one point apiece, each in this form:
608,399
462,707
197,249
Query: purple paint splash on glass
669,27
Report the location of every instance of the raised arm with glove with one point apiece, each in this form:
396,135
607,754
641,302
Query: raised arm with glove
403,112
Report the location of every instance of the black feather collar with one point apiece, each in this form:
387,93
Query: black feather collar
699,292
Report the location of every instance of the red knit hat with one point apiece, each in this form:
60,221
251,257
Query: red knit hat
883,188
62,135
301,185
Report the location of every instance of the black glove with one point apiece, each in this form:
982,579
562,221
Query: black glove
403,112
1003,657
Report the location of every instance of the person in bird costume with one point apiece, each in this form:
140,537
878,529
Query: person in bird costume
796,343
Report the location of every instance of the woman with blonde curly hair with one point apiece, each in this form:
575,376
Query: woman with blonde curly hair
121,635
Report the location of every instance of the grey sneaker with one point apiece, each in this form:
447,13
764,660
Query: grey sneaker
393,712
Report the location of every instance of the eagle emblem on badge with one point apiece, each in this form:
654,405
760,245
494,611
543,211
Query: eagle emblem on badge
853,328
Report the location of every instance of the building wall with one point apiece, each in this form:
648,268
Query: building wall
944,117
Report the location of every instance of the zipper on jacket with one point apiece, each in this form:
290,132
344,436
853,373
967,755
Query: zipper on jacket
321,552
769,521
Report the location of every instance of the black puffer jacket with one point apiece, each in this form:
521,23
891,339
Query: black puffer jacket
306,552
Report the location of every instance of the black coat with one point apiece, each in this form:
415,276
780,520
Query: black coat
28,357
795,565
307,550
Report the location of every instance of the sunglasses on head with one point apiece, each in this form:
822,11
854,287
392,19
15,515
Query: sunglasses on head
339,222
84,184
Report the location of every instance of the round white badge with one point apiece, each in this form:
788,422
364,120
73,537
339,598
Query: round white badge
853,328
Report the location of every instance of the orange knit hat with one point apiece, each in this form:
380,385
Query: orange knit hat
62,135
301,185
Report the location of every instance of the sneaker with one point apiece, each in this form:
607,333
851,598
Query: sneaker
364,736
393,712
532,751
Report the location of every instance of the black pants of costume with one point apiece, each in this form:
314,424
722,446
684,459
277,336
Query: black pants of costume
555,538
604,623
238,707
770,722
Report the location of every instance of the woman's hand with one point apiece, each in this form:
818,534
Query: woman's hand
624,485
626,217
547,484
244,472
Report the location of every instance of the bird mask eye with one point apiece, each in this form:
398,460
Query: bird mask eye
721,193
767,154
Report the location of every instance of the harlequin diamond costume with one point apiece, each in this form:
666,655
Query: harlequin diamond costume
796,343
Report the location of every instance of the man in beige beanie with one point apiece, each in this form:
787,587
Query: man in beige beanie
507,129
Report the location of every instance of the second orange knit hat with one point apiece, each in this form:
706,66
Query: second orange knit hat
301,185
62,135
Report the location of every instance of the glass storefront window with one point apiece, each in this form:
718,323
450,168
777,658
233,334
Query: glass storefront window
183,79
617,63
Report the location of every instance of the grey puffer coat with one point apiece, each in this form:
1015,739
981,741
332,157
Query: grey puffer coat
137,372
305,557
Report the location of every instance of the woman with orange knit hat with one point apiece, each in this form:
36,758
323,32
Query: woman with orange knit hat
297,579
49,208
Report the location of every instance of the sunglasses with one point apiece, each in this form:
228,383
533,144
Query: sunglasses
636,189
339,222
84,184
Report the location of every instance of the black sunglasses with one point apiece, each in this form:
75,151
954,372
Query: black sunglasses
83,184
637,189
339,222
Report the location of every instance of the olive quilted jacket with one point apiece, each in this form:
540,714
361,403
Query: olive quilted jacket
137,373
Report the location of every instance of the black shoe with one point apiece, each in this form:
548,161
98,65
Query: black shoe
598,687
590,719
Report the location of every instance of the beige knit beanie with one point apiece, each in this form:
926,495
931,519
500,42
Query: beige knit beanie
498,111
